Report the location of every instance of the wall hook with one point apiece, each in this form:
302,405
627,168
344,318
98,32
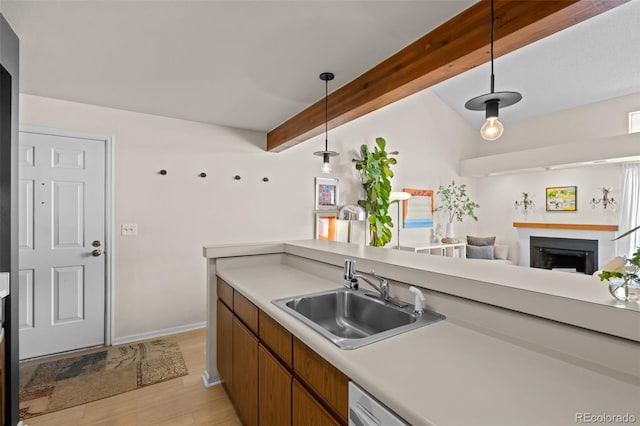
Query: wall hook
265,179
203,175
163,172
237,177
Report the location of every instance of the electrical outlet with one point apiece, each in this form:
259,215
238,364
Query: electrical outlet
129,229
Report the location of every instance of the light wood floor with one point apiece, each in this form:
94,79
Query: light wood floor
177,402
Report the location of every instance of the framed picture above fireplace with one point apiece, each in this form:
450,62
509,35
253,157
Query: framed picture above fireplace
562,199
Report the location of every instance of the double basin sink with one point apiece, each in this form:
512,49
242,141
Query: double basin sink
351,319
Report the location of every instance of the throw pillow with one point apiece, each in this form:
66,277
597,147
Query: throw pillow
481,241
501,251
480,252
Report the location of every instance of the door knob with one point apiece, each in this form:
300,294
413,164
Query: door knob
96,253
96,243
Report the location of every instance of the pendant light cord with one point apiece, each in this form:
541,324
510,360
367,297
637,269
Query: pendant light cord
326,115
492,29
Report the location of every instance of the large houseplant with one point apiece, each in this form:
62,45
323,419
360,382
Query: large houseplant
375,174
456,204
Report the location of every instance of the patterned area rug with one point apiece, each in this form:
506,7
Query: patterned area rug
52,385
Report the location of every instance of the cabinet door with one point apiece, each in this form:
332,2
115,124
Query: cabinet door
224,345
324,379
274,390
307,411
245,373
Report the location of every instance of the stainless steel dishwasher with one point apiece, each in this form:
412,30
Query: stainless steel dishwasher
365,410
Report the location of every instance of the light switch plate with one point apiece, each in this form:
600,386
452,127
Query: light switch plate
129,229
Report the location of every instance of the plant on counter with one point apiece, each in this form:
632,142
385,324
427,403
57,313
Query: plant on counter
623,274
375,174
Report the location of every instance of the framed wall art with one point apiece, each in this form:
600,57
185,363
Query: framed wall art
327,194
562,199
417,211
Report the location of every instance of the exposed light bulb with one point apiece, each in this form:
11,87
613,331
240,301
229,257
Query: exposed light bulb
491,129
326,165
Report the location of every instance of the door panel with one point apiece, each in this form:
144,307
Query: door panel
63,284
25,308
68,294
25,213
68,214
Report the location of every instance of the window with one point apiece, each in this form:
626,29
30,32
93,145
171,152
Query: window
634,122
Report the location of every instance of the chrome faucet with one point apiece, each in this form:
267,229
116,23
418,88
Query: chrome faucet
351,281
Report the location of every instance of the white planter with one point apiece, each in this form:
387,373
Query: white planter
449,231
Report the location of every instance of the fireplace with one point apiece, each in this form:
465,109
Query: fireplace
564,254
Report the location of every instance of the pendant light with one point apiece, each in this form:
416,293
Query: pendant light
491,102
326,154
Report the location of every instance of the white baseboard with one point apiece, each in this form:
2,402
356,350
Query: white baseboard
158,333
210,381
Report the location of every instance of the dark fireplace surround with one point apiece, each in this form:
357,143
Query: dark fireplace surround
569,253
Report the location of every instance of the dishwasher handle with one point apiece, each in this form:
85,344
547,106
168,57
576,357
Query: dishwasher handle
360,416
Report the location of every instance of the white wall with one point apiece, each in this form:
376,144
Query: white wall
160,274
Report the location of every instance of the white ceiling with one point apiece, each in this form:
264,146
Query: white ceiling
246,64
254,64
595,60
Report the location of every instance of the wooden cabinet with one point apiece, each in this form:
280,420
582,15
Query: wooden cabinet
245,373
274,390
329,383
307,411
258,372
224,344
276,338
225,292
246,311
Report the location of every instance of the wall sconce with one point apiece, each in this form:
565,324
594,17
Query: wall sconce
526,204
605,199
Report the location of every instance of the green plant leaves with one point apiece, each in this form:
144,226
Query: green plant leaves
456,203
375,174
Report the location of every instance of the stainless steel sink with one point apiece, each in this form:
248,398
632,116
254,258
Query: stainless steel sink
351,319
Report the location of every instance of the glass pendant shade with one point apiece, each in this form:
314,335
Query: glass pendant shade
326,165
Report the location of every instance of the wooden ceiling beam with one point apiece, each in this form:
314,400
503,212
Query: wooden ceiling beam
454,47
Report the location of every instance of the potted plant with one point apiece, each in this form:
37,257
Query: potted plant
623,274
375,174
456,204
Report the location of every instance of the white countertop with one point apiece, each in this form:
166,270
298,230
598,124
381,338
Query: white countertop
445,373
575,299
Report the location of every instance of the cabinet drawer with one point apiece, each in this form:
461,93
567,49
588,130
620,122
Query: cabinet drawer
276,338
246,311
307,411
225,293
324,379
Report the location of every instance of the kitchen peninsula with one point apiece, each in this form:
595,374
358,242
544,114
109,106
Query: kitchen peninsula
518,346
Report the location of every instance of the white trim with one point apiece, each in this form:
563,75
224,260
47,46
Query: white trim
109,215
158,333
210,381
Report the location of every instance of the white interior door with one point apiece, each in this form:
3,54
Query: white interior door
62,234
